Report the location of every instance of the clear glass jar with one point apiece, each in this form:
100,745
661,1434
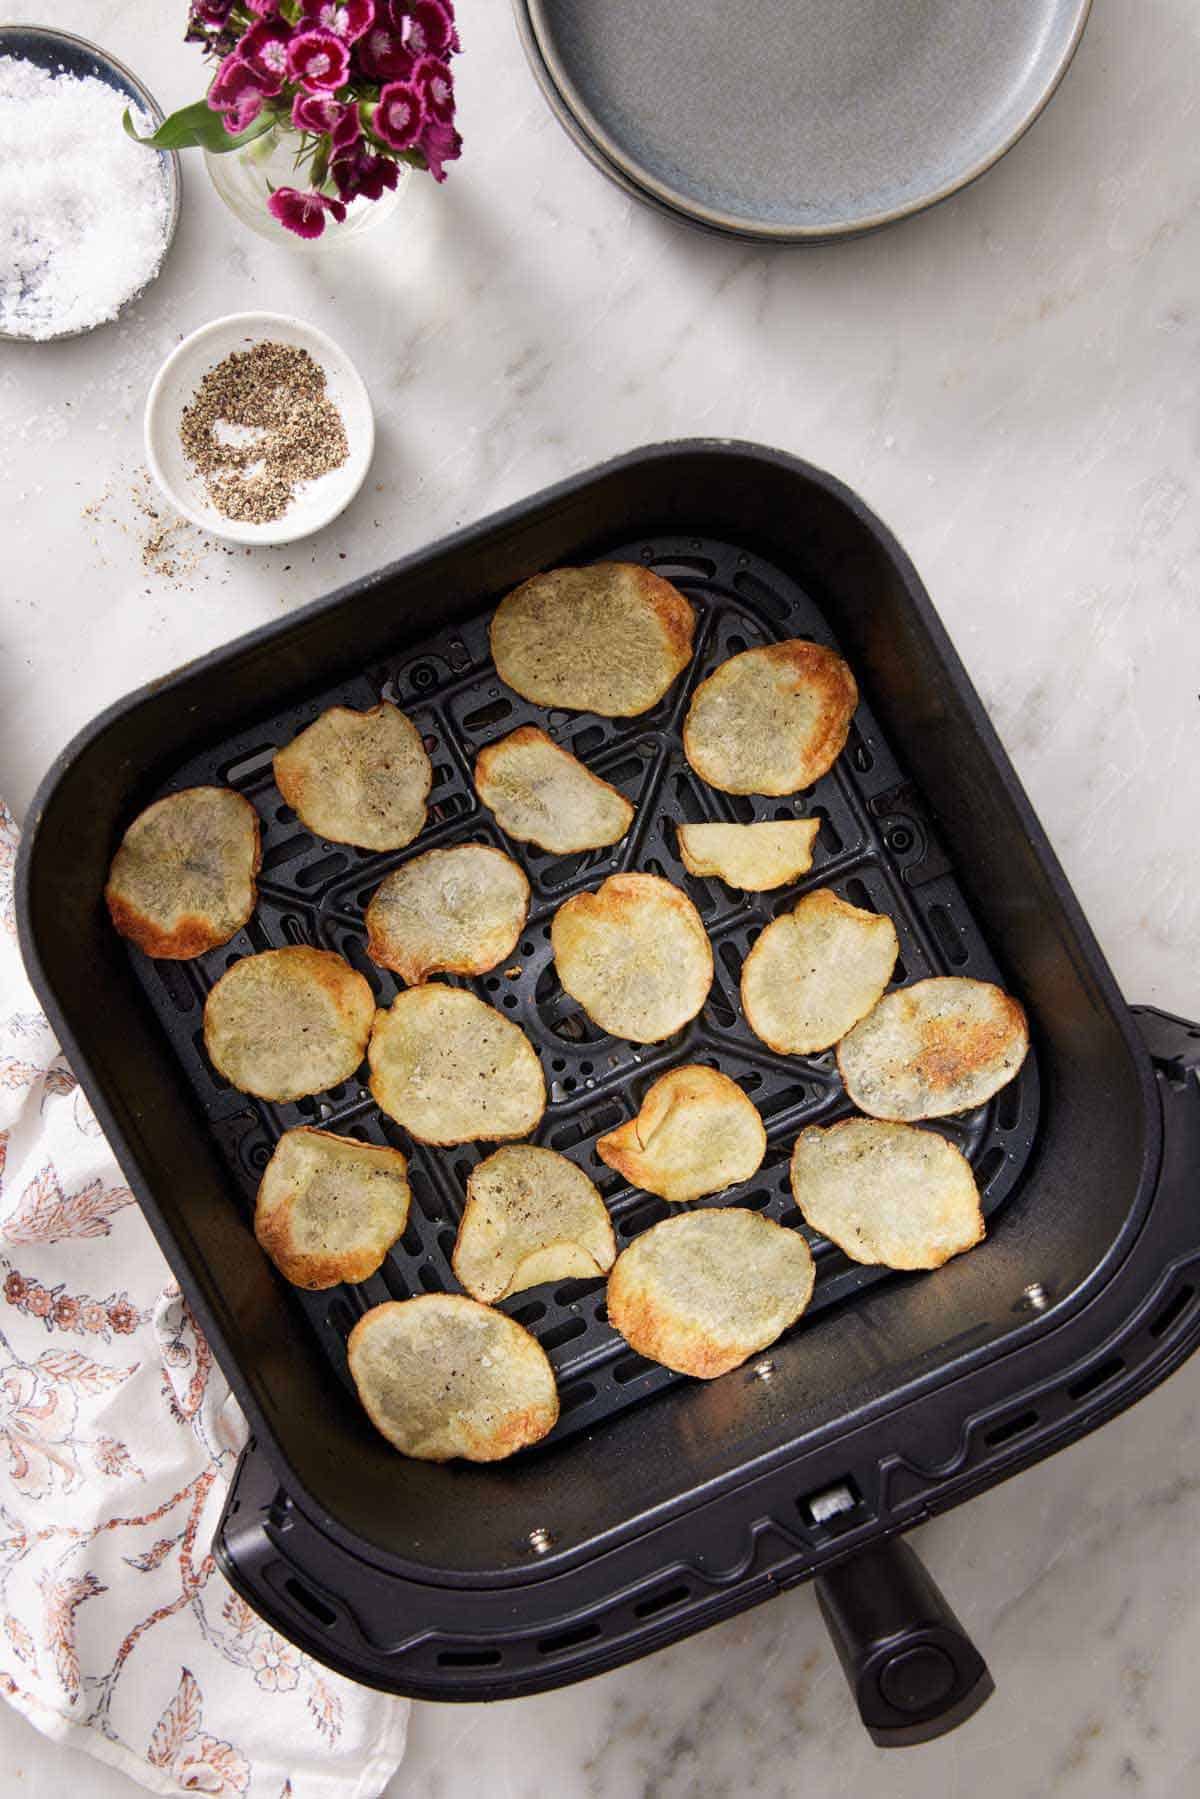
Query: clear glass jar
245,179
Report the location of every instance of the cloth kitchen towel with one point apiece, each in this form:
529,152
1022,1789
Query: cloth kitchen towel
118,1437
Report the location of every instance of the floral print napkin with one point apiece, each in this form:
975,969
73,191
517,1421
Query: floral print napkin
118,1437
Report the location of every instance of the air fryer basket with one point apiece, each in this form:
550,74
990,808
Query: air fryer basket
658,1504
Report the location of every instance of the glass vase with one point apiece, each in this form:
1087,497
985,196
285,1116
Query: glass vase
245,179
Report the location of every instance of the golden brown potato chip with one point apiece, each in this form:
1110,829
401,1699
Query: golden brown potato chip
816,971
358,777
329,1208
183,879
939,1046
696,1133
704,1290
610,638
455,911
771,720
452,1070
887,1193
288,1022
635,955
531,1216
442,1376
542,794
753,858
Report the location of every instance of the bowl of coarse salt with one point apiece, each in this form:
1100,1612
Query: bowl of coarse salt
86,215
259,428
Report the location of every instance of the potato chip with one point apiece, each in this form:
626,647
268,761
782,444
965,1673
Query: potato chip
609,638
182,881
942,1045
542,794
696,1133
531,1216
704,1290
887,1193
452,1070
358,777
755,857
455,911
635,955
288,1022
329,1208
771,720
815,971
442,1376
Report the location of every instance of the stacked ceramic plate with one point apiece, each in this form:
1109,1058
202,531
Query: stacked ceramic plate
797,121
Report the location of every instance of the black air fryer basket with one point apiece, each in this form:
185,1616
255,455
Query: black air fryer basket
658,1505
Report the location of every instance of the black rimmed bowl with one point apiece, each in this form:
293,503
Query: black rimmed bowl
62,53
803,123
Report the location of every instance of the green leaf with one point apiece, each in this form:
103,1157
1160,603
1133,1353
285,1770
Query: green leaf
198,126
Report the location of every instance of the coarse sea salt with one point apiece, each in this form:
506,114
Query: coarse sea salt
84,211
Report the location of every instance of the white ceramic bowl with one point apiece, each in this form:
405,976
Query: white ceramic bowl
317,502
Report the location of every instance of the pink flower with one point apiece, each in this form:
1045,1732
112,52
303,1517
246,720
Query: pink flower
359,172
303,213
122,1317
431,29
318,60
264,51
231,83
15,1288
435,84
347,19
241,116
346,132
94,1317
66,1312
382,57
315,112
276,1663
440,144
266,9
39,1301
399,115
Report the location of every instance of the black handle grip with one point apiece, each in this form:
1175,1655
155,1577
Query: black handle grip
914,1671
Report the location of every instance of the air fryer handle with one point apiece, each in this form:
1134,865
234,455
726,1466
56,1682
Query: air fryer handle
914,1671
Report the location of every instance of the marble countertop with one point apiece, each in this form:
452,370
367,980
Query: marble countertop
1013,382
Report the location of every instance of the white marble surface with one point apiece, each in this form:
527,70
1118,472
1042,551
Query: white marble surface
1014,383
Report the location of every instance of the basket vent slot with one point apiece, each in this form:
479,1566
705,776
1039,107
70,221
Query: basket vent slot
1010,1429
468,1658
487,715
948,939
568,1639
1097,1377
309,1602
661,1602
1172,1312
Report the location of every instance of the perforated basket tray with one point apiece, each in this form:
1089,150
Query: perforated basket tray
875,847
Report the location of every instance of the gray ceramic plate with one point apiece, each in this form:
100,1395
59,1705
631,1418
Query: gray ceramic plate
59,51
801,120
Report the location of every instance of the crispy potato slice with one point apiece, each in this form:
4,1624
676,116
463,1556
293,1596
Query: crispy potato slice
635,955
609,638
455,911
755,857
358,777
442,1376
452,1070
329,1208
531,1216
771,720
182,881
542,794
887,1193
696,1133
288,1022
702,1291
942,1045
815,972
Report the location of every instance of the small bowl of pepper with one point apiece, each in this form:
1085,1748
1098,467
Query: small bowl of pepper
259,428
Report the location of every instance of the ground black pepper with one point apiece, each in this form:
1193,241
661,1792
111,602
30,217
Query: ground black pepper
261,422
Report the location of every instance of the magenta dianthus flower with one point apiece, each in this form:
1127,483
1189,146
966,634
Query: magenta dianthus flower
431,30
399,116
347,19
318,61
264,49
435,84
233,82
315,112
440,143
382,57
303,213
359,172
